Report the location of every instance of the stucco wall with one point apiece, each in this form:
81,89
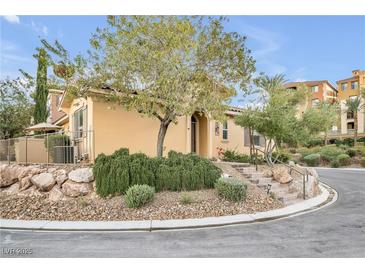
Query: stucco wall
235,139
114,128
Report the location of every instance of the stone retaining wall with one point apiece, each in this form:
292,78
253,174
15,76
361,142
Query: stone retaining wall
58,181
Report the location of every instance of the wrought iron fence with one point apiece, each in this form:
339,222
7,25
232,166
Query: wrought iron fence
69,147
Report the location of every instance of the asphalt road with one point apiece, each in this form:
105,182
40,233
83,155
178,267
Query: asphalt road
334,231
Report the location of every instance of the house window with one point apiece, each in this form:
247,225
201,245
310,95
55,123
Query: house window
225,130
350,125
315,89
256,140
315,102
79,120
350,115
354,85
344,86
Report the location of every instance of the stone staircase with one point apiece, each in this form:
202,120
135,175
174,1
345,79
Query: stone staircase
281,191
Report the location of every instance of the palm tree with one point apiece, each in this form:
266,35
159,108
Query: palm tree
353,105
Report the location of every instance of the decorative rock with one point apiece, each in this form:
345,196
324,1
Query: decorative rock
13,189
43,181
25,171
267,173
73,189
311,188
281,175
61,177
81,175
56,194
26,183
10,175
32,191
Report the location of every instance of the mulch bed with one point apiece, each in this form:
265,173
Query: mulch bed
166,205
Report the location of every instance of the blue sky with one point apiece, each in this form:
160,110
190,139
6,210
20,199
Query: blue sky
301,47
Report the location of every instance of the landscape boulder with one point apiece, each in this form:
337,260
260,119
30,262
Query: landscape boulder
267,173
10,175
281,175
26,182
43,181
56,194
61,177
311,188
81,175
74,189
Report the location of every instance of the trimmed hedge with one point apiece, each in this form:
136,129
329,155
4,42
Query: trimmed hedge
231,189
138,195
117,172
312,159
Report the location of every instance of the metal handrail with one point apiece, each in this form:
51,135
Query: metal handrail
291,168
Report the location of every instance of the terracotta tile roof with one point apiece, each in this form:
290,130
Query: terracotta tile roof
309,83
348,79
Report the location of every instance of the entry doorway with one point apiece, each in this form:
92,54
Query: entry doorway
194,125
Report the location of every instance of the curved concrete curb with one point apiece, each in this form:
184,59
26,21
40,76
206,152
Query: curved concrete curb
328,196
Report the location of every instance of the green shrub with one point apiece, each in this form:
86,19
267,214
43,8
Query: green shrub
330,152
343,159
282,156
307,151
314,142
360,150
138,195
233,156
348,141
116,173
312,159
362,161
185,198
351,152
231,189
335,163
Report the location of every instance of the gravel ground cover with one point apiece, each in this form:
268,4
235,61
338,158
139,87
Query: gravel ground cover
166,205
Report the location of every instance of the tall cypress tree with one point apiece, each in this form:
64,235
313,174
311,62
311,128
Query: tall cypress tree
41,94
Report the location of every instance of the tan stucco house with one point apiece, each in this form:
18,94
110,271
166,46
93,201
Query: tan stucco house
98,127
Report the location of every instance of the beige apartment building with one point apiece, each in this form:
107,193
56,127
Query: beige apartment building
351,88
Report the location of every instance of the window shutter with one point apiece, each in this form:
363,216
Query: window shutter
246,137
262,141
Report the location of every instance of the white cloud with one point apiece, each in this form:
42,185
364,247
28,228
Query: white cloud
39,28
13,19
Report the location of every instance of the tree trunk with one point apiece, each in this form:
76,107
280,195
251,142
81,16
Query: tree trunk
161,136
355,129
325,138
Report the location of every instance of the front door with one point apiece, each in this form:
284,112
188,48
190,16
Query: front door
193,134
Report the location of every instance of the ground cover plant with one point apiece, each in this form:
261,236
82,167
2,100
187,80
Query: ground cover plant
231,189
139,195
115,173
